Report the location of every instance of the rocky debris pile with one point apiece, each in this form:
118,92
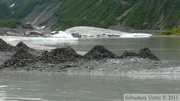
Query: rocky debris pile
27,57
128,54
6,47
21,58
60,55
146,53
99,52
34,52
143,53
21,45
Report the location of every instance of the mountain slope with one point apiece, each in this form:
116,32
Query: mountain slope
62,14
138,14
101,13
6,18
153,14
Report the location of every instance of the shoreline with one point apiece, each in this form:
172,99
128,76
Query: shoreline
154,35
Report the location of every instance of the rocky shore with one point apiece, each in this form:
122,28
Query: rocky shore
23,57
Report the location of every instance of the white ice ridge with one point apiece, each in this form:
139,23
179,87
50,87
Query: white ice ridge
62,34
94,31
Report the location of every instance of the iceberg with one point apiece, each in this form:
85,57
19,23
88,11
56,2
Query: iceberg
94,32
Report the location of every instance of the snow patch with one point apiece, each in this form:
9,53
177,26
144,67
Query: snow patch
12,5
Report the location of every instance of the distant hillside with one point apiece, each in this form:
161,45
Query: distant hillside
138,14
115,14
6,18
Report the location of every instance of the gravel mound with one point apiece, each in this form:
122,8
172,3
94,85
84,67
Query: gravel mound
99,52
146,53
21,45
34,52
60,55
143,53
6,47
21,58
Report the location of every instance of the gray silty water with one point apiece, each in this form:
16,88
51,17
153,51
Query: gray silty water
23,86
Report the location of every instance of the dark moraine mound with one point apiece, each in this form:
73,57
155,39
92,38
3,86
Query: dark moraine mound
60,55
6,47
21,45
21,58
146,53
99,52
34,52
128,54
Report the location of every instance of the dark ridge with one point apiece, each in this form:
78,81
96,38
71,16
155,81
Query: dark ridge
99,52
146,53
60,55
6,47
21,58
128,54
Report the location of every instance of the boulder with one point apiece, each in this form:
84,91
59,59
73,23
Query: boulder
6,47
99,52
21,58
146,53
128,54
60,55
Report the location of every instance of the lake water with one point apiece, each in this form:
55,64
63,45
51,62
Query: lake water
36,86
20,86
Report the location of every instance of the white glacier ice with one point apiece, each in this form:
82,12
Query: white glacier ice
100,32
62,34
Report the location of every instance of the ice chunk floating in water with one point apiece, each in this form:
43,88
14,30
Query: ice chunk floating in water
96,32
